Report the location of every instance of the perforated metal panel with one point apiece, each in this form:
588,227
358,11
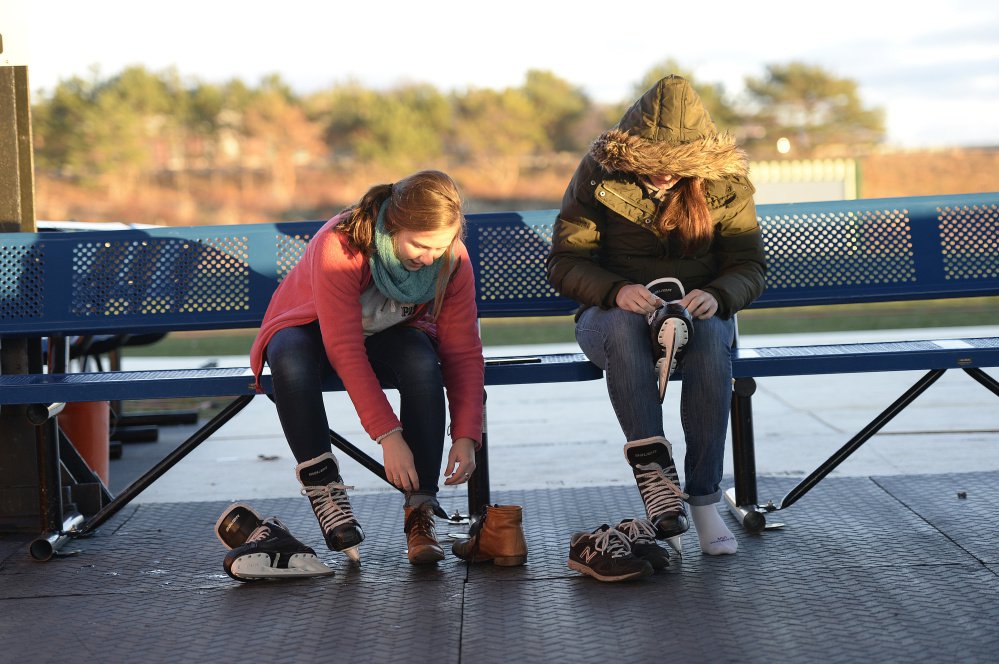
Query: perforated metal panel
512,262
161,276
22,284
969,238
838,249
289,251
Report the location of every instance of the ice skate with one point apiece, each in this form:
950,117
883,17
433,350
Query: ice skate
651,461
671,327
323,486
263,548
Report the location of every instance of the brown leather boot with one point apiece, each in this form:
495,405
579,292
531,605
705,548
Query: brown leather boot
421,535
497,536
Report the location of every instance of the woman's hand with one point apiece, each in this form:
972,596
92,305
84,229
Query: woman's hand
399,466
637,299
700,304
460,461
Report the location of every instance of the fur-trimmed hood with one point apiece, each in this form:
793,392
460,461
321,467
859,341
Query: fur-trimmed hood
668,130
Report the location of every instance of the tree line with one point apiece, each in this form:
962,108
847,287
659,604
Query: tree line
138,127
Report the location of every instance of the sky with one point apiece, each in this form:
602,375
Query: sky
933,67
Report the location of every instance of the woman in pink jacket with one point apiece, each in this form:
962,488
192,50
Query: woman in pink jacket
383,295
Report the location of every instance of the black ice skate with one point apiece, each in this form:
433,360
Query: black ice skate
671,327
651,461
323,486
263,548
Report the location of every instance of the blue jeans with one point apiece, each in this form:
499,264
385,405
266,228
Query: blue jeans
402,357
619,342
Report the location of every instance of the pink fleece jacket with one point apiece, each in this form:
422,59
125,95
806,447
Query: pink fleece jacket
326,285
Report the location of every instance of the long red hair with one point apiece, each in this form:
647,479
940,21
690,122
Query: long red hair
685,215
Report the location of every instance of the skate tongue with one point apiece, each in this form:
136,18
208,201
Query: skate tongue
320,474
236,525
667,289
643,456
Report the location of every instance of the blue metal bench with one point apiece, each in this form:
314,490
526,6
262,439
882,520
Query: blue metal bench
848,252
146,281
55,285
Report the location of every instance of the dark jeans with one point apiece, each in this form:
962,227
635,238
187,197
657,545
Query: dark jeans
403,358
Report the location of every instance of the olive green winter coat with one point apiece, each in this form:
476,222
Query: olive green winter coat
604,238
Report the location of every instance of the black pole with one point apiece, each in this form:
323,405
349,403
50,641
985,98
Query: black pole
168,462
876,424
478,483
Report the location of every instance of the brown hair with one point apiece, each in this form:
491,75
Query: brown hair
424,201
685,212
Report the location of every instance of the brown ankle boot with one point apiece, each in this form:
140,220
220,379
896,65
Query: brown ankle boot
421,535
497,536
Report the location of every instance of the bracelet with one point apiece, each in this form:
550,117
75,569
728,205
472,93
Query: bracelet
388,433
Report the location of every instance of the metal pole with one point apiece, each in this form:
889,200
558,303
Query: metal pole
168,462
854,443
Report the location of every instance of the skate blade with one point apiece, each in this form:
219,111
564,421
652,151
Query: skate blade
676,543
256,566
353,554
663,379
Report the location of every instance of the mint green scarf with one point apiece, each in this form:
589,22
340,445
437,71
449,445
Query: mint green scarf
391,277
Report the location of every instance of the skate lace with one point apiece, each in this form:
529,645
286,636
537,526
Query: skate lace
331,505
612,542
260,533
263,531
660,489
638,530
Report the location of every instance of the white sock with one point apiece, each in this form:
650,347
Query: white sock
715,537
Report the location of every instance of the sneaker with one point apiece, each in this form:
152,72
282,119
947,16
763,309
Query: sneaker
671,326
606,555
267,551
641,535
422,547
651,461
323,486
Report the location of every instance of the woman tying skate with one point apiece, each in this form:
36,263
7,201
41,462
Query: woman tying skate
383,295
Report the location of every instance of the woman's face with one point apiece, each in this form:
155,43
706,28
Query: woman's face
416,249
663,181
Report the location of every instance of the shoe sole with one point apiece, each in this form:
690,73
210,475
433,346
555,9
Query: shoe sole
580,567
501,561
257,566
427,556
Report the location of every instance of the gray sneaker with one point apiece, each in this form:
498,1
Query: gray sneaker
641,534
605,554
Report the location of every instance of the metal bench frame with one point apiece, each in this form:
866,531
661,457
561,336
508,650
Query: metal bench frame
58,285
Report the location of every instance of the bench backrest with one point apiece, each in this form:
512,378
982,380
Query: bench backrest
221,277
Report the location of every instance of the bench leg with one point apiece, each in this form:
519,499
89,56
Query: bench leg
988,381
168,462
359,456
742,501
862,437
478,483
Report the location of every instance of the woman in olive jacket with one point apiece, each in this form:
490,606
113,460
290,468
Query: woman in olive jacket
663,194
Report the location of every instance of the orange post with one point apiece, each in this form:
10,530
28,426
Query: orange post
87,425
